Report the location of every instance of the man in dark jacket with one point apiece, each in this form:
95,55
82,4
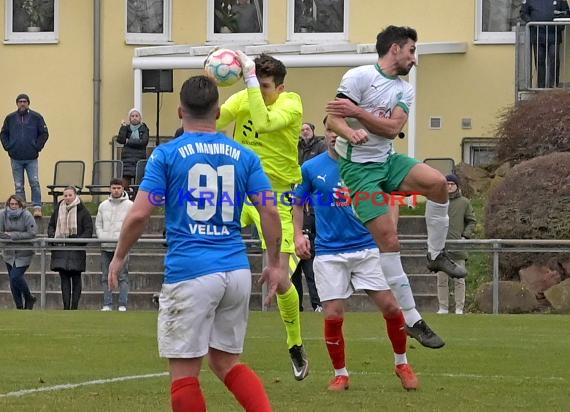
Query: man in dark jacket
545,39
309,146
461,226
24,134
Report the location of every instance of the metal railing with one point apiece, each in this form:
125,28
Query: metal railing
497,246
409,246
543,55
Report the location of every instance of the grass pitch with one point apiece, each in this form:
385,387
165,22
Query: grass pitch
490,363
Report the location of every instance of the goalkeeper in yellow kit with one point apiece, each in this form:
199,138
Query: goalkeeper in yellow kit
268,120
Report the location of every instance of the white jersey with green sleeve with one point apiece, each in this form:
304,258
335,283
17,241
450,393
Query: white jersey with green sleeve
270,131
379,94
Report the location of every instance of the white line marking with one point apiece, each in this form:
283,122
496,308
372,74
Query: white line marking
467,376
500,377
25,392
472,376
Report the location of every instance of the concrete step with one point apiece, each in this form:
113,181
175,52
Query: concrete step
153,261
144,285
359,302
152,282
146,274
138,262
146,268
422,284
407,225
138,281
155,225
91,300
412,225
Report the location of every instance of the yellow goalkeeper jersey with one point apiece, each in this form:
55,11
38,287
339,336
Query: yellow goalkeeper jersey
271,131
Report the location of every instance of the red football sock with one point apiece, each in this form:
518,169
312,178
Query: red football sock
396,332
186,395
335,342
247,389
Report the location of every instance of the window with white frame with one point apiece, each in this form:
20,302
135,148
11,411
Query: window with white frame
496,21
315,21
237,21
148,21
479,151
31,21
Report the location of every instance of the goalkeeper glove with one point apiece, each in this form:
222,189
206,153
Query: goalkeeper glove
248,69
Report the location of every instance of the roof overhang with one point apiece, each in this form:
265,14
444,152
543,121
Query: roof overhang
148,59
292,55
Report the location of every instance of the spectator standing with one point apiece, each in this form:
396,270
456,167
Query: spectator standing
70,220
461,226
133,135
24,134
204,302
309,146
16,223
545,39
108,223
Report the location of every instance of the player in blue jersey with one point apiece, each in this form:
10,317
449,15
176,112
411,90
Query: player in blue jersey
347,259
204,303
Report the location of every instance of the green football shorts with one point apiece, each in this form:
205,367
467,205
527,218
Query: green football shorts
370,184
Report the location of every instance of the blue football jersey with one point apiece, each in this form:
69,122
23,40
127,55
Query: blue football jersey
205,178
338,229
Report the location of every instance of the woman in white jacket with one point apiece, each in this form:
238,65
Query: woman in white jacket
110,217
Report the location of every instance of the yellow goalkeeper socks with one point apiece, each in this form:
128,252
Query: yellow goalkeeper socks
288,304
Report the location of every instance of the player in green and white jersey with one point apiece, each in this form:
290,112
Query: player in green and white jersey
370,110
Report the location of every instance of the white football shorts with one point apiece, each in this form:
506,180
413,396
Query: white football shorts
208,311
338,276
